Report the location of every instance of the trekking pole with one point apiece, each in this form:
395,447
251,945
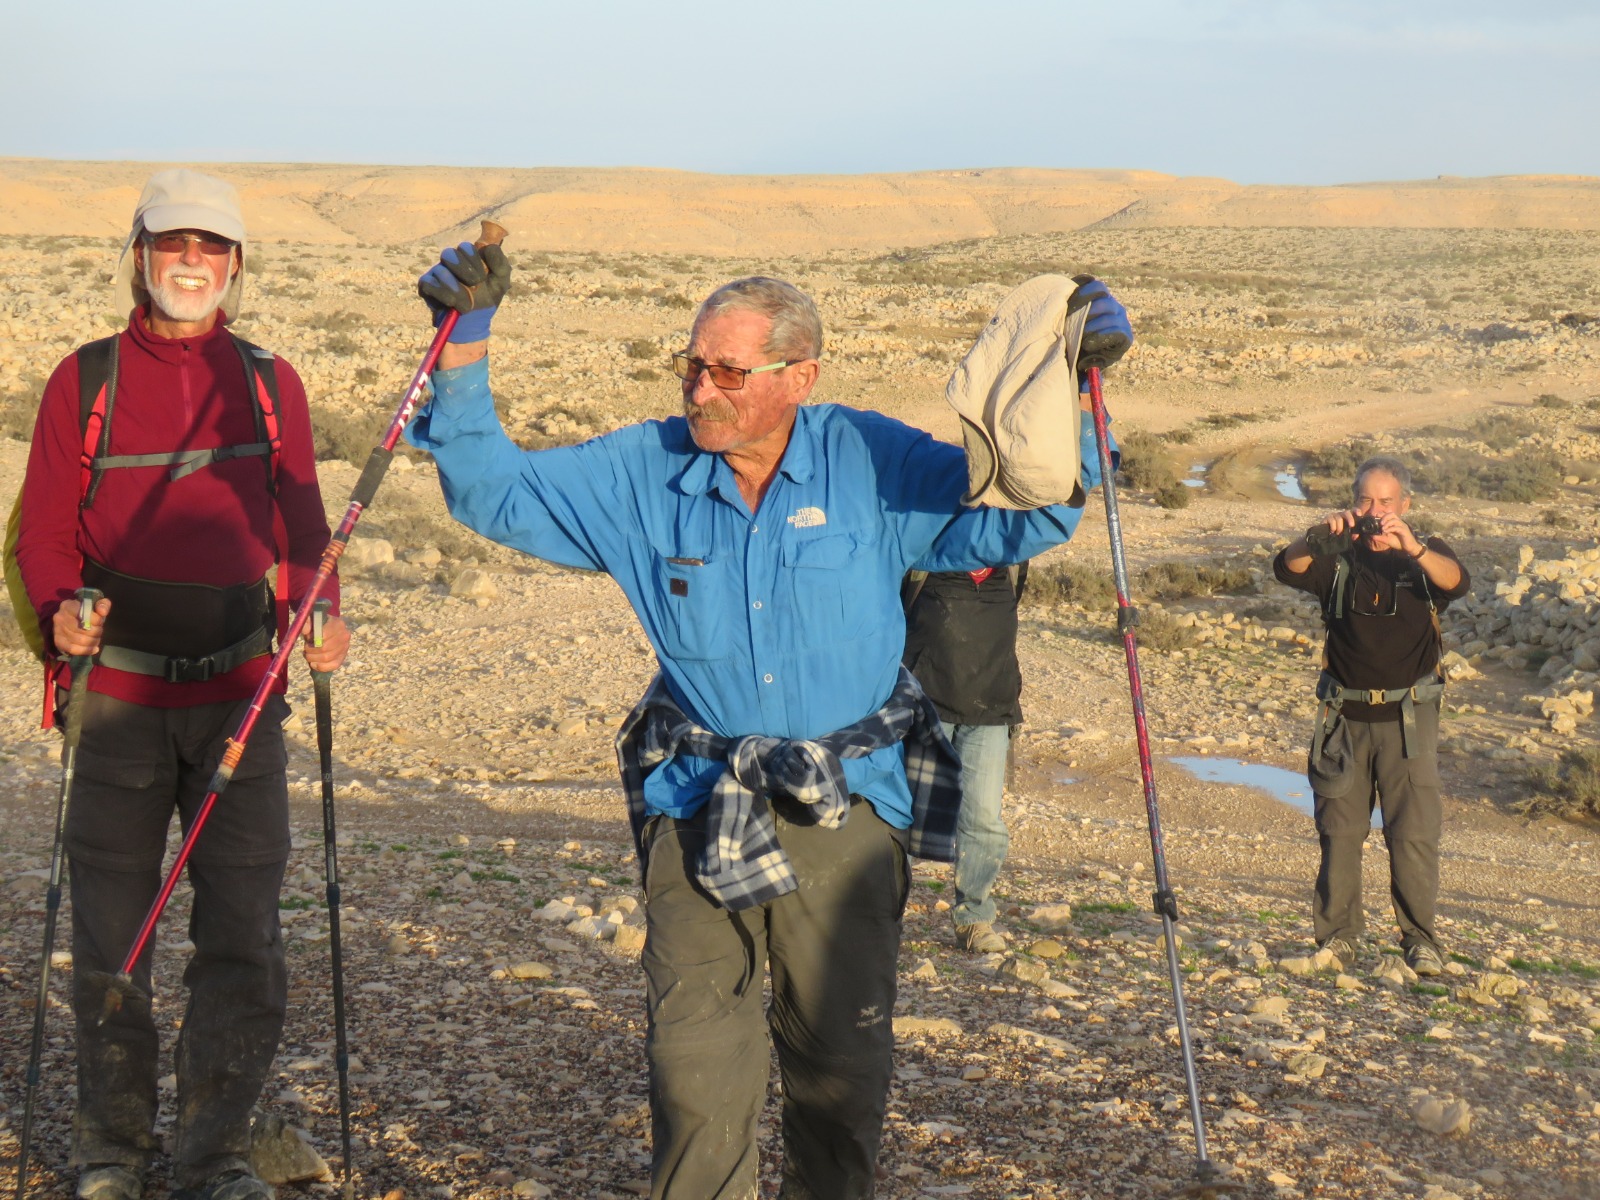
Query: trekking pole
321,682
81,665
121,986
1207,1180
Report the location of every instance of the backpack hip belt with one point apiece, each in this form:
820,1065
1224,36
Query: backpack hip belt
1333,694
188,670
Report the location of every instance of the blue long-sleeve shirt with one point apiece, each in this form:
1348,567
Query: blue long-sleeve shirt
785,622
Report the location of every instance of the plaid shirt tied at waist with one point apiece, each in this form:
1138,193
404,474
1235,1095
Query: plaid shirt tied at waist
743,865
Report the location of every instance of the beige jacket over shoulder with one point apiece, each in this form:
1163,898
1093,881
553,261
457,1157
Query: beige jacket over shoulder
1016,393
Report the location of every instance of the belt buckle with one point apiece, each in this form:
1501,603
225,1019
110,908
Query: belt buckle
189,670
1376,696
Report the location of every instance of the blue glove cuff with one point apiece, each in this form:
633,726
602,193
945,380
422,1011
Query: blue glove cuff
470,327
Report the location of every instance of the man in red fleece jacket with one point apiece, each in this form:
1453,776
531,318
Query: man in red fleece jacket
181,544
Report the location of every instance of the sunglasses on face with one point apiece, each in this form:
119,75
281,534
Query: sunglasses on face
178,243
729,379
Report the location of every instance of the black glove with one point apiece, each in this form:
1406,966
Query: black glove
469,281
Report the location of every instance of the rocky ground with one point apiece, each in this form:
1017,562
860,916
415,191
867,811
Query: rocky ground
490,898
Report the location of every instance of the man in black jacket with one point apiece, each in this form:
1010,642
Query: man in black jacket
1376,739
961,644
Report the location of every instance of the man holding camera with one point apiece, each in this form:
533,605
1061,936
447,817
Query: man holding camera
1377,731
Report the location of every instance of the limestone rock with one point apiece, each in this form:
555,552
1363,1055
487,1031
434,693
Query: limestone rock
1443,1117
281,1153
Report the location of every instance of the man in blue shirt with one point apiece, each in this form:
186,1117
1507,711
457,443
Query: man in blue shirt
782,764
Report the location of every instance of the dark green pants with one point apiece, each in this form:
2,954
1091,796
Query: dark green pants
1363,766
832,948
136,767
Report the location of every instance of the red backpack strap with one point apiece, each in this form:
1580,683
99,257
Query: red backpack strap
97,397
261,371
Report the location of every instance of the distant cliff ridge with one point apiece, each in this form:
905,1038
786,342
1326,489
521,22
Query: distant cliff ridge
664,211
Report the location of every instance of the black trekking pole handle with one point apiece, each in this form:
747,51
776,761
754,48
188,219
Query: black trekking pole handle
321,682
1207,1178
81,665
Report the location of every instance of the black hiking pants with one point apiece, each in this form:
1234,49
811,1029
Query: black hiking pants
832,948
1363,767
137,766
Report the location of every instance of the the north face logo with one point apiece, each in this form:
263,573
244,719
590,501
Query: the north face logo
807,517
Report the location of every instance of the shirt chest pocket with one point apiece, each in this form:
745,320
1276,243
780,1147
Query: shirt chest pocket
696,599
835,596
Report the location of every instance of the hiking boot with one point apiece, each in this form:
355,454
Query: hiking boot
1344,954
981,937
110,1181
233,1184
1424,959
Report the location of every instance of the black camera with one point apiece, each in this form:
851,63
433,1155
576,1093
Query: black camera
1369,526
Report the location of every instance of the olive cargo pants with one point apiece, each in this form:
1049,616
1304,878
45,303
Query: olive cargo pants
832,947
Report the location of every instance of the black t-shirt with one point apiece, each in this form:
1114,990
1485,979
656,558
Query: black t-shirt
961,644
1385,639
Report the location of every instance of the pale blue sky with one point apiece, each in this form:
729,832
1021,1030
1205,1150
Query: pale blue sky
1257,91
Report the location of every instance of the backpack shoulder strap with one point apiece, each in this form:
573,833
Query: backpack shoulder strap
97,396
262,377
1333,606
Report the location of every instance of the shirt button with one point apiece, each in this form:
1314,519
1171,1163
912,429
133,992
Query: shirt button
766,679
757,604
755,529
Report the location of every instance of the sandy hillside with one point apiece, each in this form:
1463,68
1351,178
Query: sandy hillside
659,211
496,1007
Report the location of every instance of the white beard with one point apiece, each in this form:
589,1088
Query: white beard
182,304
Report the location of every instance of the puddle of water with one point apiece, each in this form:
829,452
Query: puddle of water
1066,779
1289,786
1288,482
1197,475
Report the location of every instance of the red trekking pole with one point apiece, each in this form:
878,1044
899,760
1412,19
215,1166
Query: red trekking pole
1207,1181
121,986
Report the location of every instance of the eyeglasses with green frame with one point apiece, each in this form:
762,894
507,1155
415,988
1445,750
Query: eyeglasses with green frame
729,379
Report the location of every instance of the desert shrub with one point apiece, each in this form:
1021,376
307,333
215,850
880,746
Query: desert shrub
1569,787
1159,631
1070,583
366,376
1501,430
1178,580
643,374
298,271
342,321
1146,462
1533,475
342,345
1230,420
350,436
18,410
641,348
1339,462
1174,495
674,300
1549,400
